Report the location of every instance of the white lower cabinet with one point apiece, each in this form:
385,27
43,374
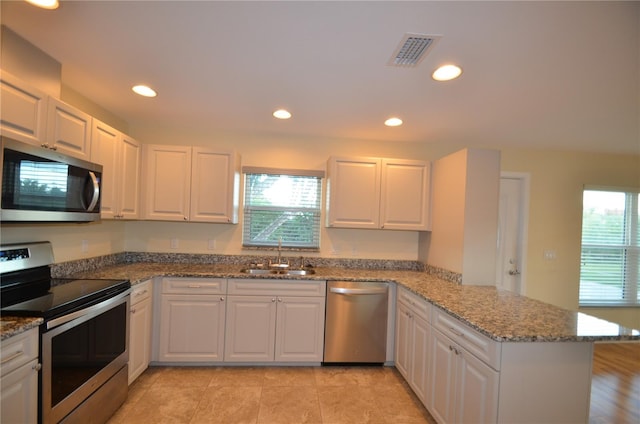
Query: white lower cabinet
19,378
140,320
192,316
463,388
275,321
412,341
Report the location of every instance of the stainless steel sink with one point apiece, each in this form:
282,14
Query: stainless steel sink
263,271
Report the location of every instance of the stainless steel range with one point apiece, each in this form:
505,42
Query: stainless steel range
84,346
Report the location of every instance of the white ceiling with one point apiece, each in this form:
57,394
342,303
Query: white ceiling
536,74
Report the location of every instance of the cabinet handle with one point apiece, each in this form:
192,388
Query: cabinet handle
221,298
54,147
454,350
11,357
133,311
141,293
185,218
279,299
456,332
273,299
37,367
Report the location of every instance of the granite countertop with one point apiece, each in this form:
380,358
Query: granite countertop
501,315
10,326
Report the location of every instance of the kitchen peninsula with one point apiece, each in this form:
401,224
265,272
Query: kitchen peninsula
518,339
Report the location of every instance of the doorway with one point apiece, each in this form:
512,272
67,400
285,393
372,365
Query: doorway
512,232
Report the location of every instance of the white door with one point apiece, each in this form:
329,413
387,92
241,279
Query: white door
510,260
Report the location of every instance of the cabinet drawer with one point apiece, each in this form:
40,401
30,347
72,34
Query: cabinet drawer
479,345
418,305
140,292
257,287
18,350
194,285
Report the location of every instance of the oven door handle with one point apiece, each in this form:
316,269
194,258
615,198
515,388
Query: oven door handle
93,309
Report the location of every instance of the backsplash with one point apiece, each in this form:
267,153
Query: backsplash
85,265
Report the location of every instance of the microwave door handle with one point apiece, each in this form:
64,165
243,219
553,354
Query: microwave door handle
96,191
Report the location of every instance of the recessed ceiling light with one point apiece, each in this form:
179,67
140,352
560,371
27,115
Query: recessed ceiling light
393,122
144,90
45,4
282,114
446,73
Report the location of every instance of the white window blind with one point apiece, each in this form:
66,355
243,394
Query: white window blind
610,248
279,206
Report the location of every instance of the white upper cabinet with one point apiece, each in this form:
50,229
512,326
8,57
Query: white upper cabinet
191,184
68,129
120,157
214,186
167,171
390,194
22,110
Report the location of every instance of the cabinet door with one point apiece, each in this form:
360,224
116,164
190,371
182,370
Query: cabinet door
105,142
23,109
300,329
68,129
167,182
213,186
420,336
443,378
19,395
130,162
354,192
405,196
403,340
250,329
477,390
139,338
192,328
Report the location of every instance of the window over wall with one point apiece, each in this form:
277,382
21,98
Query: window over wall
282,206
610,248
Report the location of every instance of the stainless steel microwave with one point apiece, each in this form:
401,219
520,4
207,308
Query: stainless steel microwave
42,185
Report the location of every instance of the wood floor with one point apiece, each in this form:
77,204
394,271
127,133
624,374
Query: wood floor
615,385
338,395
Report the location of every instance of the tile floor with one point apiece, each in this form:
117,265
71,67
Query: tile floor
271,395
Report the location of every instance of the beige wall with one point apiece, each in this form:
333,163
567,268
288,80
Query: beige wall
555,218
24,60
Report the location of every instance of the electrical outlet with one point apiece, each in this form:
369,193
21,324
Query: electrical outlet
174,243
211,245
550,255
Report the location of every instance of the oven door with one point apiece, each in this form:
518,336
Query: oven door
81,351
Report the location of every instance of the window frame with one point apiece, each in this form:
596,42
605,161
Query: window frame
629,248
249,209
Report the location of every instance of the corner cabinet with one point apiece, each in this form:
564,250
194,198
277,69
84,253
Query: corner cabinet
140,327
121,158
375,193
191,184
275,321
413,334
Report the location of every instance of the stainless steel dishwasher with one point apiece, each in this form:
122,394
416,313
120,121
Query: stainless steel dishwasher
356,322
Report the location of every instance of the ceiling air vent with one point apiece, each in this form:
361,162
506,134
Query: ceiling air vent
412,49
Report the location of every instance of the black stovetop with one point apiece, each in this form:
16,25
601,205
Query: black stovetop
66,296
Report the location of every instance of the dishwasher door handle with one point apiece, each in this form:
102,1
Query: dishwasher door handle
343,290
